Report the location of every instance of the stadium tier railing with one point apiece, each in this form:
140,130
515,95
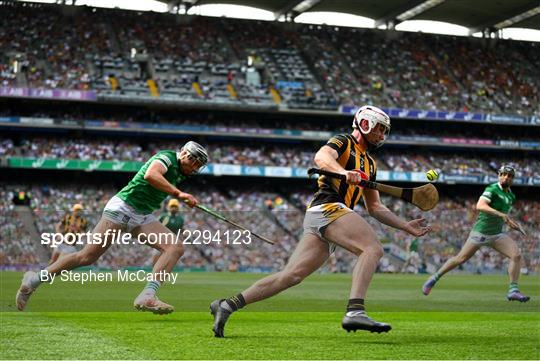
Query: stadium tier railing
217,169
307,135
93,96
452,116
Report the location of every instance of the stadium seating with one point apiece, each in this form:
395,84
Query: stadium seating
300,66
241,62
277,215
463,163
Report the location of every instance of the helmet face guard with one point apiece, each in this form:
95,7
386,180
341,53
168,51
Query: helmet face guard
507,169
373,116
195,153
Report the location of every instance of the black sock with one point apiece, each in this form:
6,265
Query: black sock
236,302
355,304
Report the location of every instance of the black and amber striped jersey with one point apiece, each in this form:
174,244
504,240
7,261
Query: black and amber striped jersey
73,224
351,155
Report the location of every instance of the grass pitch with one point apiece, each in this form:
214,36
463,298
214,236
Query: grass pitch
465,317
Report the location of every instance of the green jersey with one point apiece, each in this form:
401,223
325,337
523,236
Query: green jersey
140,194
414,245
174,222
499,200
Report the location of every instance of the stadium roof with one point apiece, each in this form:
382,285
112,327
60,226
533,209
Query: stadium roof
476,15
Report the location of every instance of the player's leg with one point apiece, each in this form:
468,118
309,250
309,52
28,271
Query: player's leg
508,247
353,233
54,256
64,250
309,255
90,252
86,256
468,250
161,238
406,264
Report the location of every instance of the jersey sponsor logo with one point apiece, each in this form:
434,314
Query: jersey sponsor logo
125,218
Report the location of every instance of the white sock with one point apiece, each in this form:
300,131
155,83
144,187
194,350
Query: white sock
35,280
151,288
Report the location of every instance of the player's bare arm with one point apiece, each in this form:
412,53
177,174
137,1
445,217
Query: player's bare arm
380,212
154,176
483,206
325,159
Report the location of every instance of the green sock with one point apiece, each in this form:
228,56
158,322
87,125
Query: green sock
151,287
436,276
513,287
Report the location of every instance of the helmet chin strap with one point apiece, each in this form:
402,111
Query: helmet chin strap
369,146
180,165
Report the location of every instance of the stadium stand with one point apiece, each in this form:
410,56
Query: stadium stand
227,61
461,162
218,61
276,214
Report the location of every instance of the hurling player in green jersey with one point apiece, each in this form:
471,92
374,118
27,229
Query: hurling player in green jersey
131,211
494,205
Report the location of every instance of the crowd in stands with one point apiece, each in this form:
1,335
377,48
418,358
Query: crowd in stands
273,213
267,154
16,243
306,66
314,67
453,132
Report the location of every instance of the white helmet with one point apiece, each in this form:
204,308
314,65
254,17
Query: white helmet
374,116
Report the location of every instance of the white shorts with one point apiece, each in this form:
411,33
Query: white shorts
318,217
119,212
481,239
66,248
